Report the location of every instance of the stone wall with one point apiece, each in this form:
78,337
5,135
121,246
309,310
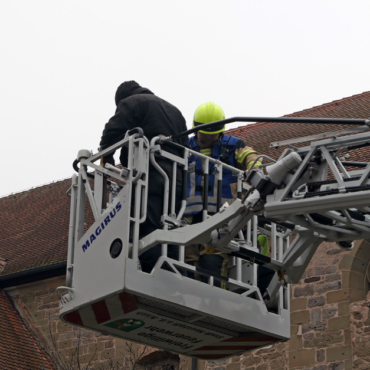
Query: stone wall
271,357
38,304
330,323
360,334
329,318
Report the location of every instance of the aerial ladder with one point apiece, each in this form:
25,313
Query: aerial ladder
311,194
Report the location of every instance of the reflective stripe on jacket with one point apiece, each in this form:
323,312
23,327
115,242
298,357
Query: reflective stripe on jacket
223,150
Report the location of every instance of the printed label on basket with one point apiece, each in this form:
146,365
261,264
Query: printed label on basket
159,331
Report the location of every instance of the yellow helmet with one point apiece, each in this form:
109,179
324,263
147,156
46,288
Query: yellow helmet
207,113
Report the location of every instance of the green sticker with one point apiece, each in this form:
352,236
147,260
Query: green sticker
126,324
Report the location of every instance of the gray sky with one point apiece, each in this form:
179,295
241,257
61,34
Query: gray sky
61,62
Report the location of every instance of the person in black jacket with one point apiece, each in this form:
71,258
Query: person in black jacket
138,107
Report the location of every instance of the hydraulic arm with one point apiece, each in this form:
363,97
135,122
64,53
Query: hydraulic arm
309,195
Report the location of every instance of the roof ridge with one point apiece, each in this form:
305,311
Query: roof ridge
34,187
254,124
328,104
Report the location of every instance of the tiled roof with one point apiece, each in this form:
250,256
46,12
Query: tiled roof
34,227
260,135
34,223
18,349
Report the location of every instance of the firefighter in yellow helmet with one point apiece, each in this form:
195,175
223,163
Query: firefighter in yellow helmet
228,149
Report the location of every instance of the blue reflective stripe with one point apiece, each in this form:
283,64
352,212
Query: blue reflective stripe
194,204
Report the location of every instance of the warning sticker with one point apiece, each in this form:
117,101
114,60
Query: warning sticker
126,324
160,331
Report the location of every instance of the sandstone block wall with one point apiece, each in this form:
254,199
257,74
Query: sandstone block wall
38,304
329,318
330,321
360,334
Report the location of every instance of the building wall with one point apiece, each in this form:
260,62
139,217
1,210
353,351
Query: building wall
38,304
330,321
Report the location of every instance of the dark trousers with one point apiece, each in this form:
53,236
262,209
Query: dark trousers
154,213
212,263
264,277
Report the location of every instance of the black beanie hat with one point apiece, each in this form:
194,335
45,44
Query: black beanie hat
126,89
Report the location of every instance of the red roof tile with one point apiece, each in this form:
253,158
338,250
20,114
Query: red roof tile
260,135
18,348
34,223
34,227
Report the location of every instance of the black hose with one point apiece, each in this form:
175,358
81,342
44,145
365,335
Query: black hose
287,225
358,146
332,121
354,164
75,163
219,195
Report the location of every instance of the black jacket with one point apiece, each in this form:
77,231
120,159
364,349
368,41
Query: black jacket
139,107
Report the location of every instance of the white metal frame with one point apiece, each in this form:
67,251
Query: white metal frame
345,202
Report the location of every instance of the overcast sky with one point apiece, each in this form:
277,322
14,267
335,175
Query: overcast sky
61,62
